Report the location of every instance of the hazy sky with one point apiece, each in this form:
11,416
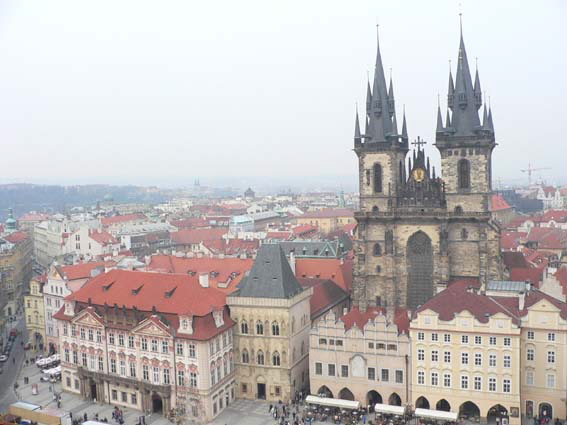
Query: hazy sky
154,91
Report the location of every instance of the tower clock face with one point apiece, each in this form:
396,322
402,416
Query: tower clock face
418,174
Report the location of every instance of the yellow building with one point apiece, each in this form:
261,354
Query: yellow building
497,355
327,220
271,342
35,314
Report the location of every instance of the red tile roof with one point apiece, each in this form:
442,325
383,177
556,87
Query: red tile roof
561,276
16,237
304,230
498,203
559,216
514,259
524,274
280,235
337,270
222,271
32,217
102,237
232,247
190,223
328,213
83,270
356,317
326,294
196,236
548,190
168,293
107,221
509,241
548,237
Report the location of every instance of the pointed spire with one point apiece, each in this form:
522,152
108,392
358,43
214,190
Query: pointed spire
451,89
394,124
448,120
490,123
439,120
357,136
477,90
485,118
368,98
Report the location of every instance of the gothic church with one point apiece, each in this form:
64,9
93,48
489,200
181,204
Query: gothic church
418,231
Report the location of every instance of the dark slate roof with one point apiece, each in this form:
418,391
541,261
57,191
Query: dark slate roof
270,277
319,249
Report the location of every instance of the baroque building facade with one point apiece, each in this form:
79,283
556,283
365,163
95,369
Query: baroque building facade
417,231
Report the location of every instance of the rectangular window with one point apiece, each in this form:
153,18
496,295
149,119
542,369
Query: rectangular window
551,357
529,377
551,336
447,380
464,339
82,333
179,348
399,376
434,337
434,379
121,340
91,335
112,365
492,340
550,380
385,375
130,341
434,356
165,347
111,338
91,363
144,344
421,377
180,378
531,335
84,359
322,341
154,345
447,357
114,395
145,372
507,361
100,363
478,359
371,345
492,384
464,382
65,329
339,342
191,349
506,386
122,368
99,337
155,375
371,374
278,390
420,336
243,388
478,339
447,337
193,379
465,358
318,368
492,360
67,355
124,397
507,341
421,354
133,398
331,369
344,371
166,376
478,383
133,370
530,354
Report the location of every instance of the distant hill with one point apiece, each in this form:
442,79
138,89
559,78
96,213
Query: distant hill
50,198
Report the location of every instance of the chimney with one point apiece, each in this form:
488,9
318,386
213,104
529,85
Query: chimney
521,301
292,261
204,280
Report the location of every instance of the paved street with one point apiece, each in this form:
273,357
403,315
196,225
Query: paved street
11,367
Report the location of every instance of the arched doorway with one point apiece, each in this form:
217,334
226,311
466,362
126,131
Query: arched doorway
495,415
422,403
545,410
469,410
92,386
443,405
324,392
346,394
373,397
157,403
420,269
394,400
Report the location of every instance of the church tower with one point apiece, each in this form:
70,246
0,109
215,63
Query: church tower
381,149
465,143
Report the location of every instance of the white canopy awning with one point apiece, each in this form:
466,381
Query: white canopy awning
332,402
436,414
388,409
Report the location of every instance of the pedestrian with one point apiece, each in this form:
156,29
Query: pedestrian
85,416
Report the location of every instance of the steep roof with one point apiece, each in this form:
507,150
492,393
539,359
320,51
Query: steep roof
16,237
82,270
168,293
514,259
102,237
360,319
498,203
339,271
270,277
326,294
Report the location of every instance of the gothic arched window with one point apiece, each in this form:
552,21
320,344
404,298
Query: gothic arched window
276,359
464,173
275,328
245,356
244,327
259,328
464,234
260,357
377,250
377,178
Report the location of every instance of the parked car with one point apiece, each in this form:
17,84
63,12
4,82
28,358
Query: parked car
27,346
3,358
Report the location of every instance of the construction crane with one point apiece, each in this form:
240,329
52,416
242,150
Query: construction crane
530,170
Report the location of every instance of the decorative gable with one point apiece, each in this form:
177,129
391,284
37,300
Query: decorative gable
152,327
185,325
69,308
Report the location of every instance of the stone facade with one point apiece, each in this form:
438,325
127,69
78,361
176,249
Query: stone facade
35,313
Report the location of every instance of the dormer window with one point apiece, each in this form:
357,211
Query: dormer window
186,325
219,319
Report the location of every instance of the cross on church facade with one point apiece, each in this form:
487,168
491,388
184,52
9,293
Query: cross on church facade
419,143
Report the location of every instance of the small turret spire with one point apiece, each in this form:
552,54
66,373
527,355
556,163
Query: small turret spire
490,123
439,120
357,136
485,118
448,120
404,126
